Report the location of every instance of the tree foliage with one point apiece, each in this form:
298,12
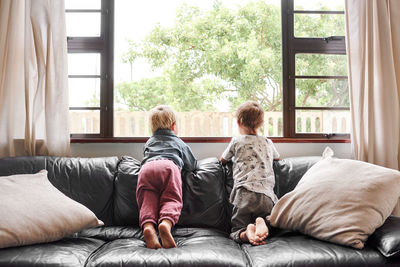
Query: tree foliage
220,53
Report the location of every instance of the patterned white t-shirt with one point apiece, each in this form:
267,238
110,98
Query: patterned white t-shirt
252,157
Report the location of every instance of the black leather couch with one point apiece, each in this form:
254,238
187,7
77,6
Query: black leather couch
107,187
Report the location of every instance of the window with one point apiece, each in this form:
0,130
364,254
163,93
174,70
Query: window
89,31
201,57
315,69
204,58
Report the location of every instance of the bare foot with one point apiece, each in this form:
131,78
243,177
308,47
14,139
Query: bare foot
164,228
150,236
251,236
261,229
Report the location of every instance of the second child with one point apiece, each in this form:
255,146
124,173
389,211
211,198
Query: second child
253,194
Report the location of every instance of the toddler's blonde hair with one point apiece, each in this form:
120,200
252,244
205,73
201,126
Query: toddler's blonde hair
250,114
162,117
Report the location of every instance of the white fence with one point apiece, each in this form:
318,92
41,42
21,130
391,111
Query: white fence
207,124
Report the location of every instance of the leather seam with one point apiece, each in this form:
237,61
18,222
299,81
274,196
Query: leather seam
94,252
247,255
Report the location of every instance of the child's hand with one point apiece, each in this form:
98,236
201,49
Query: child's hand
223,161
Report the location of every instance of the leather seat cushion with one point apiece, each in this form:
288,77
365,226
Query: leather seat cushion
294,249
70,251
196,246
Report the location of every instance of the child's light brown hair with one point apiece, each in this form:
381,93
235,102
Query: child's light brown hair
162,117
250,114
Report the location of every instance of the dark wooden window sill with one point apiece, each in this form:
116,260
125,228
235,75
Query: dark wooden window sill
206,140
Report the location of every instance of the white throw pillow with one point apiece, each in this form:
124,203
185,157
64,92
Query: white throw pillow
32,211
339,200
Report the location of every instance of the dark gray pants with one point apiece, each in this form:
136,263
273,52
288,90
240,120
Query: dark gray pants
247,206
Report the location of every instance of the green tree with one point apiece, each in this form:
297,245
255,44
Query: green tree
216,54
136,94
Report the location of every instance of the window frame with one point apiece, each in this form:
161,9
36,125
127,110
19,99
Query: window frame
291,45
103,45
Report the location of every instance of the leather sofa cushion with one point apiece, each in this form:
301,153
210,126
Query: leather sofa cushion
294,249
126,211
195,247
289,171
204,195
111,233
86,180
70,251
387,237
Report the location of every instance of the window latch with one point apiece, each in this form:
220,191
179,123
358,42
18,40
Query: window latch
329,135
333,38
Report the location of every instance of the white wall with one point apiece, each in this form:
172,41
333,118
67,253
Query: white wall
204,150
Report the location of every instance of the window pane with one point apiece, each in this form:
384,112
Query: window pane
84,92
203,58
318,25
82,4
83,64
83,24
322,93
322,121
321,65
337,5
84,121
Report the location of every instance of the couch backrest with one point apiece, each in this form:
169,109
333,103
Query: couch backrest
86,180
205,191
107,186
289,171
204,195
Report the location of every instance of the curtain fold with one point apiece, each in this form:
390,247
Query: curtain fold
373,52
33,78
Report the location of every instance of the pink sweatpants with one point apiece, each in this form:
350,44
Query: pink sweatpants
159,192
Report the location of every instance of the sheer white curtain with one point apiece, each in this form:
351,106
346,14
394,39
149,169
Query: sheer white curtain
373,50
33,78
